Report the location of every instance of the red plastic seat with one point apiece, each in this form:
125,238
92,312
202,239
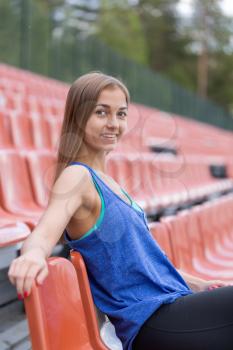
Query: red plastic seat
200,261
12,232
161,235
167,186
22,132
145,186
188,247
41,133
41,170
29,132
9,217
179,241
54,126
58,311
16,191
213,228
126,172
5,130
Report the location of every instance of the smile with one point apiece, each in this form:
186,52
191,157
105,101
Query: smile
109,137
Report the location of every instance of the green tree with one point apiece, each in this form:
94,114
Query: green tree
119,27
210,34
9,32
210,31
165,45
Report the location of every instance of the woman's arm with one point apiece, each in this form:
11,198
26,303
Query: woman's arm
66,197
198,284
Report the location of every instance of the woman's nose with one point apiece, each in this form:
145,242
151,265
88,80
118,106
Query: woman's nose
113,121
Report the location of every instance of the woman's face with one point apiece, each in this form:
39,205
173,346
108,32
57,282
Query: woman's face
108,121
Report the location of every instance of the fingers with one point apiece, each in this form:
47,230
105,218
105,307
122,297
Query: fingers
218,284
29,279
23,273
42,275
214,286
14,268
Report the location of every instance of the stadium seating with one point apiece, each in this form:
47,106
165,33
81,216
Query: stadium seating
163,161
191,246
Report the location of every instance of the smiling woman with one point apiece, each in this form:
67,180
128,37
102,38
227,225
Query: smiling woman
108,122
96,107
151,304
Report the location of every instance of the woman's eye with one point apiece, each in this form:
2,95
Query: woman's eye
122,114
101,112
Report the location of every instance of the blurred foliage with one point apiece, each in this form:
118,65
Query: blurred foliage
144,42
210,33
119,26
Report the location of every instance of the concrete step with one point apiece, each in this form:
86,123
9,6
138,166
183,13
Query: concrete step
14,332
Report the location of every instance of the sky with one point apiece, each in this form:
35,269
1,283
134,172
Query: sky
185,7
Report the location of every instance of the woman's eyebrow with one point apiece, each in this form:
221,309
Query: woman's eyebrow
107,106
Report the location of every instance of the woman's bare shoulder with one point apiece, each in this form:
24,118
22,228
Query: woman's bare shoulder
72,180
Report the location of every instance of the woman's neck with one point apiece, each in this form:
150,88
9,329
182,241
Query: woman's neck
94,162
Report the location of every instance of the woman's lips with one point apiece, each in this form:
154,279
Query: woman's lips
109,137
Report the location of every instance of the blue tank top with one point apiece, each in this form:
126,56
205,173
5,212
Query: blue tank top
130,276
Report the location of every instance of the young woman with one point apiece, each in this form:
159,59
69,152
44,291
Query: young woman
150,303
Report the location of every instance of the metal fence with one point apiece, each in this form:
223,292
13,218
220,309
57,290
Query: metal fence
30,39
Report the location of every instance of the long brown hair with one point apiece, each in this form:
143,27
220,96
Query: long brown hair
80,103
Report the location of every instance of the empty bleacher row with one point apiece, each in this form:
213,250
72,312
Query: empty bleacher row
165,162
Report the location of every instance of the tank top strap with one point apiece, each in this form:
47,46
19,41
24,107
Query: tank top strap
109,196
86,166
97,181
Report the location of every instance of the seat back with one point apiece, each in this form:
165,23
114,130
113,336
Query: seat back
22,132
57,314
176,226
12,232
161,235
41,170
194,233
41,133
94,317
5,130
16,188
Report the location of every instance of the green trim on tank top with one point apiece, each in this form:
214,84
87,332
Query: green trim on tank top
101,216
133,203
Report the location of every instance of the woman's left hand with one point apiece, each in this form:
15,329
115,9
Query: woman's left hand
213,284
198,284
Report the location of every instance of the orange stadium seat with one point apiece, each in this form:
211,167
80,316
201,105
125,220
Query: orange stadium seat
29,132
9,217
189,249
15,186
41,166
180,244
12,232
60,312
41,133
168,187
200,260
213,233
22,132
124,170
54,127
6,140
161,235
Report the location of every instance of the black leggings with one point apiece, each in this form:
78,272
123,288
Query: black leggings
200,321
